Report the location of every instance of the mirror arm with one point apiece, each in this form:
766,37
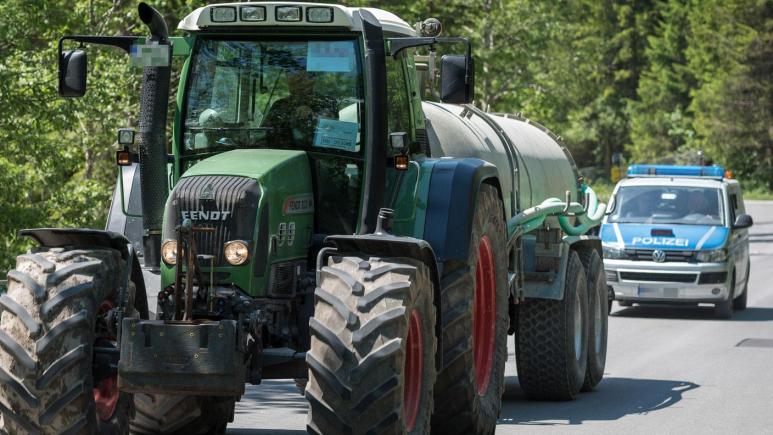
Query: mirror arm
123,42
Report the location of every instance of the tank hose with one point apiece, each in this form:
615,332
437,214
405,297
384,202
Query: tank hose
533,218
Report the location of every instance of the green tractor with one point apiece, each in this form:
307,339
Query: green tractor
316,221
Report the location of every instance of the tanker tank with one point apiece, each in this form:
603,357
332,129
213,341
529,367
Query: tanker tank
541,167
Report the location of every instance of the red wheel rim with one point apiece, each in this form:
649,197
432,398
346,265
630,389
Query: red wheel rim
106,393
106,397
414,368
484,315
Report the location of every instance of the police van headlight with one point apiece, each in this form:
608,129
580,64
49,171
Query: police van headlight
236,252
613,253
712,256
169,252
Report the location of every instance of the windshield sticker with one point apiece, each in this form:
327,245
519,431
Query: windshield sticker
330,56
340,135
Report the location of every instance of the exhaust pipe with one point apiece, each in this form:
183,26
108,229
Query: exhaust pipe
151,136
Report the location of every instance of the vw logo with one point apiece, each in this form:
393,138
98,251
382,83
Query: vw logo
658,256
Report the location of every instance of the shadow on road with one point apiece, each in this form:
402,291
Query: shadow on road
675,312
265,432
270,396
614,399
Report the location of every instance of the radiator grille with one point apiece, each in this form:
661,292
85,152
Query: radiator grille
671,256
227,204
658,277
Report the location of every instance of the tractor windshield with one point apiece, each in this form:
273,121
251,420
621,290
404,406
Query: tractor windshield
298,94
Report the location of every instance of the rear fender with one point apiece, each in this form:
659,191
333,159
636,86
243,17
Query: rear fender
85,237
554,289
393,246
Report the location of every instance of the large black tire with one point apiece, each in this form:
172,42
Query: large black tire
461,407
48,328
551,343
598,316
739,303
724,309
364,310
158,414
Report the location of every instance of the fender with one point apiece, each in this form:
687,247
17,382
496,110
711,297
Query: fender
384,245
554,289
61,237
453,191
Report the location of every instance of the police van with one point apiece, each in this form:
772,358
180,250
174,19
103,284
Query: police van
678,234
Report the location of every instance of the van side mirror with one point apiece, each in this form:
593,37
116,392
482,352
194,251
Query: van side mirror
457,79
72,73
743,221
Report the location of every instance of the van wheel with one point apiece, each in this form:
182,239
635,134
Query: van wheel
724,309
739,303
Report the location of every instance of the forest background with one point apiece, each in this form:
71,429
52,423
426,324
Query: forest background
620,81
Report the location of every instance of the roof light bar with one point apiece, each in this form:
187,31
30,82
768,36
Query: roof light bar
288,13
252,13
319,14
223,14
676,171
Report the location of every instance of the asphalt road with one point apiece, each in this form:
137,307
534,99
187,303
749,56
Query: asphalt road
669,370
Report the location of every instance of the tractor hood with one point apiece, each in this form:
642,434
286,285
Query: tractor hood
263,197
250,163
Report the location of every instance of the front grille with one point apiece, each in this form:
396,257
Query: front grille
283,280
671,256
713,278
227,204
658,277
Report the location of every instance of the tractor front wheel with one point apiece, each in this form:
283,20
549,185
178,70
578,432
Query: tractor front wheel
372,357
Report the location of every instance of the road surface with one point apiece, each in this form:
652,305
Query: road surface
669,370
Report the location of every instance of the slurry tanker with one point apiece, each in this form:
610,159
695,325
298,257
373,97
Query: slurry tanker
308,217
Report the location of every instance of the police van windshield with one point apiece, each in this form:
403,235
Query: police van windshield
301,94
669,205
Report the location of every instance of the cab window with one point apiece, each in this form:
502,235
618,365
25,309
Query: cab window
399,108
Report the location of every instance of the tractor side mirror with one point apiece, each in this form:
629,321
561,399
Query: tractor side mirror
72,73
457,78
743,221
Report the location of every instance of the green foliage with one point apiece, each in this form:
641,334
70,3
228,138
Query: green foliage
655,79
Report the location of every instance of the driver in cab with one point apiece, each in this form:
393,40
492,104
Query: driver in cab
293,119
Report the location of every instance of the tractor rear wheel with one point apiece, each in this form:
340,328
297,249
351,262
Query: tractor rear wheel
159,414
468,394
551,343
372,357
598,315
51,319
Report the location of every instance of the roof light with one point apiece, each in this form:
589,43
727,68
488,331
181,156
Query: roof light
288,13
223,14
253,13
676,171
317,14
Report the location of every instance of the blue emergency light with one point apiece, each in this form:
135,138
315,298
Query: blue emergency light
676,171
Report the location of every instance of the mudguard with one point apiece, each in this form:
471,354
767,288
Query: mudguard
385,245
61,237
451,201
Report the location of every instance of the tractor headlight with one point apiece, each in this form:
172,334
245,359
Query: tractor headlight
236,252
613,253
169,252
711,256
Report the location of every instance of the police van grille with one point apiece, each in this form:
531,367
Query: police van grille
671,256
237,196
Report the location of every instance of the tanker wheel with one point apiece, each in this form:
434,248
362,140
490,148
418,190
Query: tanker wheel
551,343
51,318
372,357
598,315
169,414
468,393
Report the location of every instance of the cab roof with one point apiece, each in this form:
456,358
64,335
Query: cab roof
343,16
